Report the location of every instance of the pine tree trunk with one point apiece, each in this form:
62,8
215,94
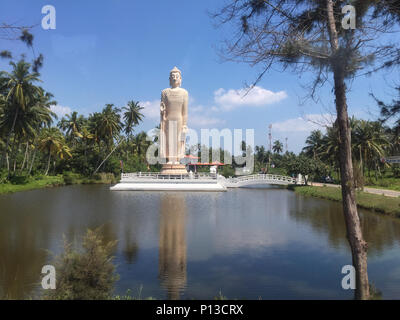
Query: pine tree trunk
353,224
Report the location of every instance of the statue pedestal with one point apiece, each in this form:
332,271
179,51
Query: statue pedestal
173,169
161,182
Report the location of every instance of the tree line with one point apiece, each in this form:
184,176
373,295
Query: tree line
370,142
33,141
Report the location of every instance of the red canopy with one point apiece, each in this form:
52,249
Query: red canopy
217,163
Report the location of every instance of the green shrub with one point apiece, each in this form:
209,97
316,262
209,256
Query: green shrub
220,296
85,275
103,177
227,171
19,179
396,171
71,178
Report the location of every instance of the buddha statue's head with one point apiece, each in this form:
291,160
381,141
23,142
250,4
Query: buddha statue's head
175,78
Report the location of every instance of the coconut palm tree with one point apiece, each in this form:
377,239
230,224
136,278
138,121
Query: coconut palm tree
21,91
393,135
2,110
37,114
72,124
313,143
51,141
132,116
370,142
140,144
328,150
40,116
87,137
277,147
261,154
106,125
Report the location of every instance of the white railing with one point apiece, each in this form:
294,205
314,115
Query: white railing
263,177
237,181
158,176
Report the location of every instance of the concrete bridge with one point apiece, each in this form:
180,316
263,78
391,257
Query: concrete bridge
257,179
196,182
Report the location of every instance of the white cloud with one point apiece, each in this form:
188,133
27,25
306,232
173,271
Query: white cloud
203,121
60,111
258,96
307,123
296,130
198,108
203,117
151,109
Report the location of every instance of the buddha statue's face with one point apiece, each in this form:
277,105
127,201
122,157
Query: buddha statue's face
175,79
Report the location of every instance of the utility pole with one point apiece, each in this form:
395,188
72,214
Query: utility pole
270,137
286,145
270,145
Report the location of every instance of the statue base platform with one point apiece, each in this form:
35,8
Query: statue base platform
163,182
173,169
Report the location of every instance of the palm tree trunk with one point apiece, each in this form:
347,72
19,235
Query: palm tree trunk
48,165
353,224
8,163
25,157
33,160
14,154
379,169
5,155
85,152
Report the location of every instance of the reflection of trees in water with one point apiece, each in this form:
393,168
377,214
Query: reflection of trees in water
22,253
326,217
108,233
131,248
172,244
74,234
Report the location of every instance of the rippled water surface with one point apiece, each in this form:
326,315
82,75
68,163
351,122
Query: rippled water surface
248,243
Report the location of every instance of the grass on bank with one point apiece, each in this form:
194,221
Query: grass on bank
388,179
374,202
390,183
26,183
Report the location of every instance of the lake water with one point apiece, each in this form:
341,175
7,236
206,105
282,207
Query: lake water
252,243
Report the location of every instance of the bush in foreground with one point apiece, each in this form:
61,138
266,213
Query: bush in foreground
85,275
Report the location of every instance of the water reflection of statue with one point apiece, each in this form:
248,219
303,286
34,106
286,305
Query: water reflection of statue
172,245
173,119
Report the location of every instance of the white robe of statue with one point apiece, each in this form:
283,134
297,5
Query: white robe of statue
173,122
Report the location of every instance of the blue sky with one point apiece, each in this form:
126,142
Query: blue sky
120,50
